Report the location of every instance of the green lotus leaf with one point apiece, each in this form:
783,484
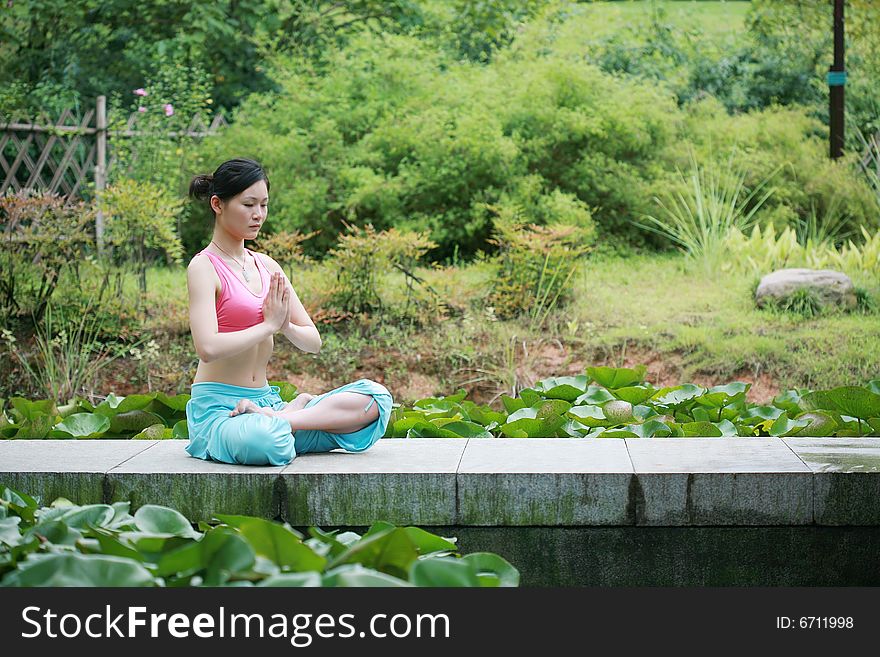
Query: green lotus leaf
789,401
176,402
634,394
25,409
134,403
292,579
595,395
700,429
567,388
429,430
154,432
589,415
821,424
133,421
617,377
286,390
467,429
488,563
180,430
277,543
72,569
720,396
82,425
356,575
512,404
784,426
109,405
849,400
675,395
482,415
151,518
444,572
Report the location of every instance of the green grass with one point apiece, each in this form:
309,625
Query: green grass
650,301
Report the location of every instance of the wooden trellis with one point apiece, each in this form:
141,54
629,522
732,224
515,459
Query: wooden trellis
63,156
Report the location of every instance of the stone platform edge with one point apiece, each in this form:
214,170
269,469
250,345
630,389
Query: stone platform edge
512,482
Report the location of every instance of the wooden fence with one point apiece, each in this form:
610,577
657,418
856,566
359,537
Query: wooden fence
63,156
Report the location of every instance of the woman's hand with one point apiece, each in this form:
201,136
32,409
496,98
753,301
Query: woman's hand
276,305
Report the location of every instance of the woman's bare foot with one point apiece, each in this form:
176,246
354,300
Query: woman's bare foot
300,402
247,406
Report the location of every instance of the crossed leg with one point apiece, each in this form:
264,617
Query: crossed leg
342,412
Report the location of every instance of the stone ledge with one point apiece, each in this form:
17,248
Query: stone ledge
552,482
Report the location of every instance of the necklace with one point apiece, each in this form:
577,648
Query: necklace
247,278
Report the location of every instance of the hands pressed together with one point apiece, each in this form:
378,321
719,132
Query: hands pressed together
276,305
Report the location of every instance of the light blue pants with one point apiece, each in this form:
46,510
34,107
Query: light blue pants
255,439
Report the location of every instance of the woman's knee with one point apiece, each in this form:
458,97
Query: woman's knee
260,440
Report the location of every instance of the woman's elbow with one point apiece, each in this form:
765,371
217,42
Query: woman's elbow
204,354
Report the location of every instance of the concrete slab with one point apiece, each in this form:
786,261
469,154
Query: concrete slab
712,481
74,469
668,455
846,480
167,475
410,482
837,454
544,481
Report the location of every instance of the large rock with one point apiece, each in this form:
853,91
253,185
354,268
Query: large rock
833,287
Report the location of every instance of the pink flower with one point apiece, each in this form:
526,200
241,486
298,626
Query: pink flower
140,92
169,110
142,109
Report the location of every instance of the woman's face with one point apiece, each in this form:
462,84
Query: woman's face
243,215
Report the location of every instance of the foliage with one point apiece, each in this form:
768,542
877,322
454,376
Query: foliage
379,138
140,219
65,544
361,260
160,150
795,146
284,247
68,360
604,402
535,266
702,216
764,251
41,237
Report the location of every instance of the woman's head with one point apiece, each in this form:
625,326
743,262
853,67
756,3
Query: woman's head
237,194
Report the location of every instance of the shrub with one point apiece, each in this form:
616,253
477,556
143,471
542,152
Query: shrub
41,237
535,265
140,220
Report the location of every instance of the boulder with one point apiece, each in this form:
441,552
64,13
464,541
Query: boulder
834,288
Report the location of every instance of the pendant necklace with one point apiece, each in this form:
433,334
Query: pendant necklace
244,273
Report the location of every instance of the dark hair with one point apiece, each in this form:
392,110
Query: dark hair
231,178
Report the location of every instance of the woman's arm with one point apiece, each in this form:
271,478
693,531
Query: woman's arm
301,330
210,344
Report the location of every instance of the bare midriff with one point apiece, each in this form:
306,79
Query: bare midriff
246,369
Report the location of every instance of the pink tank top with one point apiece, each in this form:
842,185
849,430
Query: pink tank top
238,307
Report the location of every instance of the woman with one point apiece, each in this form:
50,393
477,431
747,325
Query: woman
238,300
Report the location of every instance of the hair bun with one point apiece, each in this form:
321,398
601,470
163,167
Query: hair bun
201,187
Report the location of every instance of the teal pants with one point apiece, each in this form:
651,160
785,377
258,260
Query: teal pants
255,439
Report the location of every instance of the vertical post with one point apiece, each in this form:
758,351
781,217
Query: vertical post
101,169
836,82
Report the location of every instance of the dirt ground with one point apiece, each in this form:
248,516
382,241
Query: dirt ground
538,360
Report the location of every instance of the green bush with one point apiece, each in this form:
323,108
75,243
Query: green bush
141,220
535,266
42,236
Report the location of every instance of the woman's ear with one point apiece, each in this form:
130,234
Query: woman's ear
216,204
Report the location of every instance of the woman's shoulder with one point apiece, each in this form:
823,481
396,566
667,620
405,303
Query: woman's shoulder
268,261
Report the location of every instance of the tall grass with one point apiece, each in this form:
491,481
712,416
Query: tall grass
700,219
66,362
